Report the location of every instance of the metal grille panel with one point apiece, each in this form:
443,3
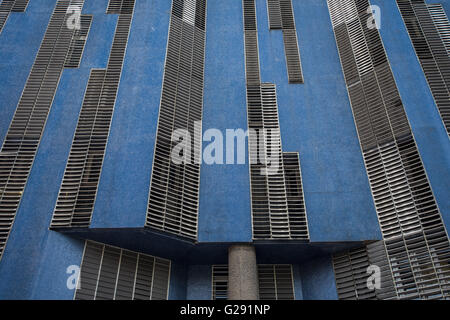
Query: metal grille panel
111,273
174,191
120,7
79,39
281,16
409,218
352,275
276,282
275,215
8,6
78,190
429,30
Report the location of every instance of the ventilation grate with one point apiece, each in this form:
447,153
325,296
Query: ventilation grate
174,191
281,16
19,5
79,39
276,282
352,273
219,282
120,7
271,215
111,273
80,181
417,245
24,134
429,30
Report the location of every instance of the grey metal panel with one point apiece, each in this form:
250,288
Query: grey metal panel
79,39
273,8
174,191
276,282
20,6
111,273
120,7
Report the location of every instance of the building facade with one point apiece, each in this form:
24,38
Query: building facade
241,149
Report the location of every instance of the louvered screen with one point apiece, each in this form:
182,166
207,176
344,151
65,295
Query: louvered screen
24,134
20,6
429,30
352,274
174,191
281,16
276,282
111,273
120,7
410,220
295,199
80,181
219,282
79,39
270,203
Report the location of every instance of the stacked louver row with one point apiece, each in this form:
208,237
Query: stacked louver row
281,16
111,273
174,191
416,241
278,210
78,190
276,282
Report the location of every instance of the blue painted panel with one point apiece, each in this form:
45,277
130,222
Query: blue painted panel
177,286
199,282
297,282
318,279
125,180
316,120
431,137
225,213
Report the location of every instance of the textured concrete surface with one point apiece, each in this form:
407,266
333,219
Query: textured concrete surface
242,273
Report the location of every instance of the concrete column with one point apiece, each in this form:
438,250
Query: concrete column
242,273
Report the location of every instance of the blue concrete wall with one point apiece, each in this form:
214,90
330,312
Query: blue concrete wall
199,282
316,120
318,279
178,281
431,137
35,259
125,180
225,213
298,290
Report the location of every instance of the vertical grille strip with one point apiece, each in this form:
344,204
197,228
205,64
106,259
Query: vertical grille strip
79,186
429,31
416,241
111,273
275,215
22,139
79,39
352,273
281,16
174,190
